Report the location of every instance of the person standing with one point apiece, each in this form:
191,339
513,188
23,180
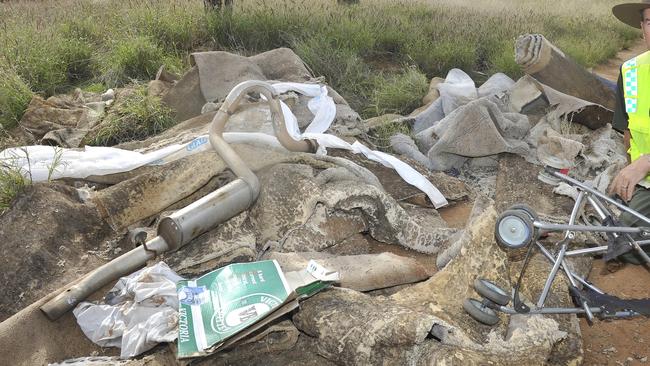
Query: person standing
632,118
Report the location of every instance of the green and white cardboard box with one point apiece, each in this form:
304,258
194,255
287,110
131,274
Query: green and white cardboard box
223,306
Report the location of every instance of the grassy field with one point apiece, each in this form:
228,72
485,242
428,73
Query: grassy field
378,54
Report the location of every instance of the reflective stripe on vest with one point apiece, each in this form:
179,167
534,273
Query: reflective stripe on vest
636,89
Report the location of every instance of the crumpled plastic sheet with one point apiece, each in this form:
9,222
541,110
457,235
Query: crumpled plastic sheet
140,311
46,162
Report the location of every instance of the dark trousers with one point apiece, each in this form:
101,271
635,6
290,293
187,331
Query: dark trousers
640,203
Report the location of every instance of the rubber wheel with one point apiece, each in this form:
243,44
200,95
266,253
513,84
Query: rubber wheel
491,291
514,229
480,312
526,208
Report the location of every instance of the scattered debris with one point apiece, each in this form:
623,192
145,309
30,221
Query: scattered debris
378,222
92,361
103,161
529,96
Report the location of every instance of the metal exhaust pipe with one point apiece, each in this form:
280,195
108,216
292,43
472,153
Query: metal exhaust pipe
179,228
122,265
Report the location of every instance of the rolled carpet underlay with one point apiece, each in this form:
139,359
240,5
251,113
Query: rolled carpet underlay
549,65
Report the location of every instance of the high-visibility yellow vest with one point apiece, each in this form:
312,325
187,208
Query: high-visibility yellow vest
636,89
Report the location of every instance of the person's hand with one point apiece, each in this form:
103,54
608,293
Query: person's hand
628,177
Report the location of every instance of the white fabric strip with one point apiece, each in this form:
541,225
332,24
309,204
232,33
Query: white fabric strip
41,163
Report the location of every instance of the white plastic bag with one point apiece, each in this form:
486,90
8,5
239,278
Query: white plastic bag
141,310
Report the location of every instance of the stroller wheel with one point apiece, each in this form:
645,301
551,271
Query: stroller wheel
527,209
480,312
491,291
514,229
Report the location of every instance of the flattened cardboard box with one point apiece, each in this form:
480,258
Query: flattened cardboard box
223,306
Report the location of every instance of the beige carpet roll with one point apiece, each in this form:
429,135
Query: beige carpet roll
549,65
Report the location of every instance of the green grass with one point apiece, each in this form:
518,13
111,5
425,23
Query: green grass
15,95
378,54
14,179
11,184
134,117
380,136
54,46
398,94
94,87
136,58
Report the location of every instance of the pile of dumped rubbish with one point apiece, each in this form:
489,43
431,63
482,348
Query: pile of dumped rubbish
273,232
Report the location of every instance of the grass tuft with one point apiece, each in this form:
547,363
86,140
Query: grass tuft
136,58
12,182
94,88
399,94
15,95
380,136
77,60
343,69
135,117
14,179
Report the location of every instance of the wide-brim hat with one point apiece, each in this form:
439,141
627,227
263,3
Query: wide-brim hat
630,13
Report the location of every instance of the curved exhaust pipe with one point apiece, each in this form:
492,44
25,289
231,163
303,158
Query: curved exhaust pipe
179,228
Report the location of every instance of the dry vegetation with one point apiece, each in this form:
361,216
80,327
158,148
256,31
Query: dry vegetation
50,46
378,54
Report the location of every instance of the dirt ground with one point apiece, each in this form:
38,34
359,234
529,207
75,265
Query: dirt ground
619,342
610,69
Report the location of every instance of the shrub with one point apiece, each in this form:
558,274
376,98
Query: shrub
14,97
399,94
135,117
77,56
131,58
342,68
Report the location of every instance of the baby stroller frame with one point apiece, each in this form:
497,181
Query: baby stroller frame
519,227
